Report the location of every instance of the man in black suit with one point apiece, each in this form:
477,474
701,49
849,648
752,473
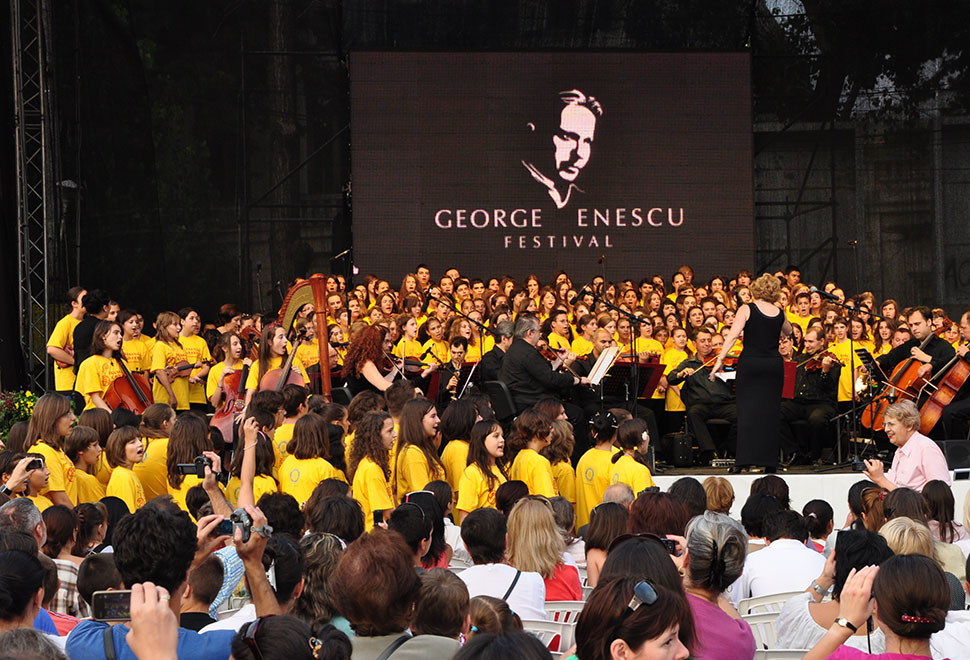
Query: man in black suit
491,363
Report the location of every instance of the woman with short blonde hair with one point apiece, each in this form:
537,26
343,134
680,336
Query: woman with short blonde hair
720,495
534,544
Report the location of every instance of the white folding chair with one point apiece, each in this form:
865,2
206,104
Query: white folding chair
556,635
767,603
225,614
586,592
583,576
780,654
763,628
566,611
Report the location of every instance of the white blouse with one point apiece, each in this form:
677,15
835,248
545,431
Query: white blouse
796,629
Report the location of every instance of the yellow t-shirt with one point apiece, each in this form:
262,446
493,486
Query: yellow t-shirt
95,375
262,485
298,477
215,373
103,470
592,480
842,350
488,343
275,362
308,354
649,345
582,346
41,502
801,322
473,490
153,470
559,342
672,357
196,350
138,354
628,471
281,438
61,468
371,490
565,478
412,471
63,337
455,459
408,348
178,494
125,485
168,355
439,349
883,350
535,470
89,489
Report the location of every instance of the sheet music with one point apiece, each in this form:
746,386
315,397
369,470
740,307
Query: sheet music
603,364
468,380
726,375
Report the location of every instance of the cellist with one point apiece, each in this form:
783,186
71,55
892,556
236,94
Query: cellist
933,356
100,369
954,417
232,349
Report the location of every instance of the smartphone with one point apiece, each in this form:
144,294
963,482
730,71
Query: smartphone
185,468
111,605
378,516
36,464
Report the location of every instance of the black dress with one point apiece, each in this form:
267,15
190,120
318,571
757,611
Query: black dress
759,384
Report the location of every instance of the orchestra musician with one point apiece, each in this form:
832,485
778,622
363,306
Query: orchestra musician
934,356
954,417
491,363
815,400
705,398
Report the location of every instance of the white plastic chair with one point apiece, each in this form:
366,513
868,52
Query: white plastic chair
586,592
763,628
566,611
762,604
583,576
556,635
780,654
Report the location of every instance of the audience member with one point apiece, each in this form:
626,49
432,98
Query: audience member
489,615
908,537
720,495
201,589
607,521
535,545
691,494
818,516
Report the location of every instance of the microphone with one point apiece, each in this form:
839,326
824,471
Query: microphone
426,351
579,294
827,296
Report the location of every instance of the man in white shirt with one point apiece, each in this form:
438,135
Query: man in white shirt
786,564
483,532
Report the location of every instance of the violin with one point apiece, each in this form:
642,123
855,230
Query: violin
250,337
729,361
814,363
64,365
129,391
183,368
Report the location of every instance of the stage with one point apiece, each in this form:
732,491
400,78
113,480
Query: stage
804,485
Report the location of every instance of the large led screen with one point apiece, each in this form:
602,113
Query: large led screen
511,163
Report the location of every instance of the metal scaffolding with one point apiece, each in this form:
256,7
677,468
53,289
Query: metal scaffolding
37,194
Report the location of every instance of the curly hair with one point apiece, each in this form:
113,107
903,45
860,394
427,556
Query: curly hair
766,288
154,545
316,602
368,346
368,444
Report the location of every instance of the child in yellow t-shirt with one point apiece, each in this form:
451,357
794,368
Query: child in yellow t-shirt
529,465
156,424
197,353
306,463
558,451
100,370
633,439
171,384
593,468
263,481
485,471
124,450
60,345
83,449
369,466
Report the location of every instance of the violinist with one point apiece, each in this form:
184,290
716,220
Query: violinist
196,352
934,355
231,347
704,398
168,352
815,400
368,365
101,368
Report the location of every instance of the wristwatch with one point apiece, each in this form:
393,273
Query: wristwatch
845,623
817,588
4,490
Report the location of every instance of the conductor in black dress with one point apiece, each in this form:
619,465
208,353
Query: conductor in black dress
761,374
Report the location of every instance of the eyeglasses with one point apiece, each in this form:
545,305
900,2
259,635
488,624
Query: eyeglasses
250,636
643,594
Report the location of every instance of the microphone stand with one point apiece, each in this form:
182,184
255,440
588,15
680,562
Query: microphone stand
482,328
635,329
854,460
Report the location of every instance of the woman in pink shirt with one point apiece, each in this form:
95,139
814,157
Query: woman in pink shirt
918,459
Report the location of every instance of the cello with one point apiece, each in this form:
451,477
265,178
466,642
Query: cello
129,391
904,382
957,372
234,391
275,379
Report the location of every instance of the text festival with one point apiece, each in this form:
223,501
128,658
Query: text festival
532,219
